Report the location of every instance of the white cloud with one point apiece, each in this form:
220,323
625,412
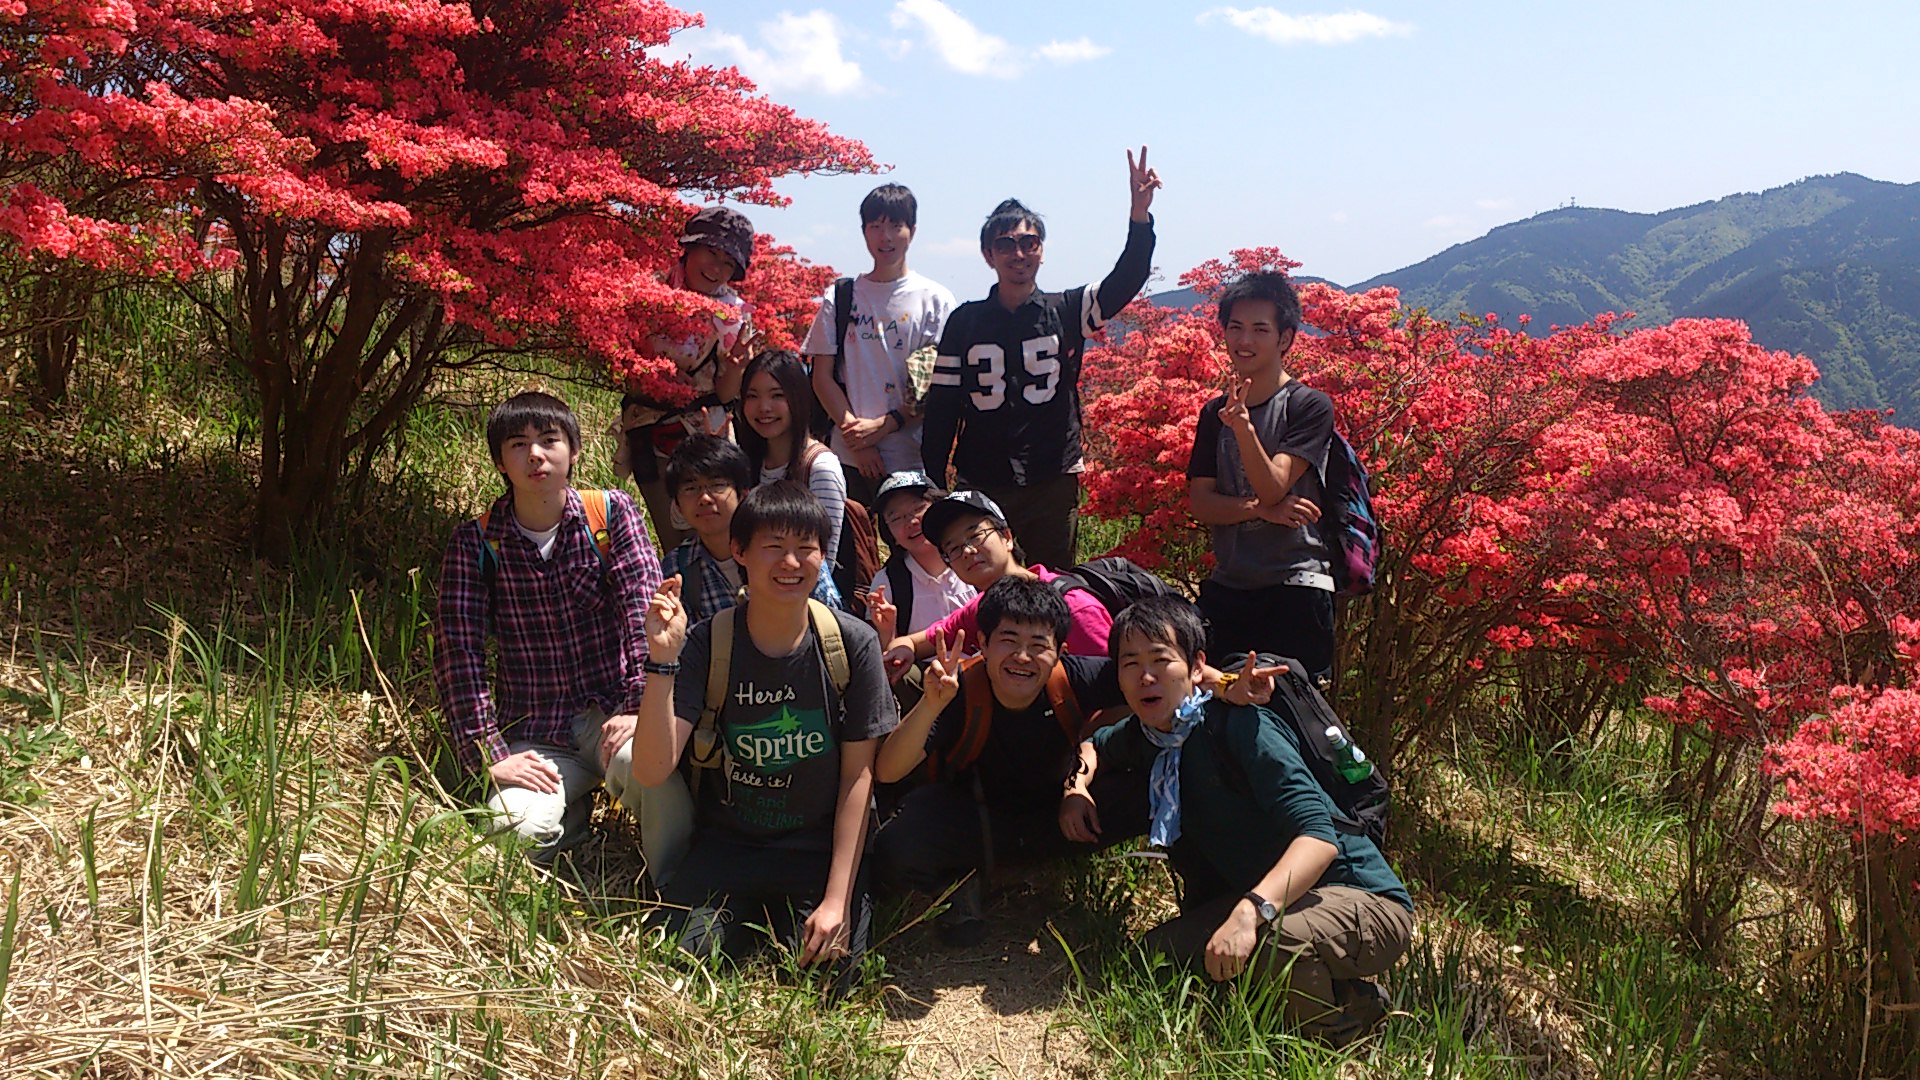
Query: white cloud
1344,28
970,50
965,47
802,54
1072,52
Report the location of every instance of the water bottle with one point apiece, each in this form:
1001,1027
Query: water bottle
1349,760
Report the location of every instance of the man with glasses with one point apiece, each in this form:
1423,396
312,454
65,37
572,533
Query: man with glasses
706,478
1004,404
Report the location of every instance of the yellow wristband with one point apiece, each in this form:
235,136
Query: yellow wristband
1227,678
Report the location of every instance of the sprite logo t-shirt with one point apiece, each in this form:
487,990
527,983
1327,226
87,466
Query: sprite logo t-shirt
781,732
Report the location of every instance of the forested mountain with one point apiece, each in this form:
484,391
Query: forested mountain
1829,267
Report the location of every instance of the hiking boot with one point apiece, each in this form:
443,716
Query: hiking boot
962,926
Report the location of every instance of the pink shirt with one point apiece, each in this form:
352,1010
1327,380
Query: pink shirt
1086,635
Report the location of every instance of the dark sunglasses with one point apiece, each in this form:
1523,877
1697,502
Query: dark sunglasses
1025,244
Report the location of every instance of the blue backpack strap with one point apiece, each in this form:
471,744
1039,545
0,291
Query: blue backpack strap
489,549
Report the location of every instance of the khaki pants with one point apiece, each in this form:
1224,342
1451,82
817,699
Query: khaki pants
542,816
1328,943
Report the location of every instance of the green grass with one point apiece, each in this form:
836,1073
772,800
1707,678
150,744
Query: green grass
231,843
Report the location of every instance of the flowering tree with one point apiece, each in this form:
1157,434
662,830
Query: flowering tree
1588,518
395,185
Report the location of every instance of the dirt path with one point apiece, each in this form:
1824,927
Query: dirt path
990,1010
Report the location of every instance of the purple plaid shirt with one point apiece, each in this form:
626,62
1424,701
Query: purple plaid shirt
569,635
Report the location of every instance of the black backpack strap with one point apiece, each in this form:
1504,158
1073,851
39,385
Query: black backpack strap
900,585
842,321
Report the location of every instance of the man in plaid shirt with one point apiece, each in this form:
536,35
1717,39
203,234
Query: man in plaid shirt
706,479
568,621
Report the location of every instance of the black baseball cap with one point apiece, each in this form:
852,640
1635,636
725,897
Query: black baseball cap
725,230
960,504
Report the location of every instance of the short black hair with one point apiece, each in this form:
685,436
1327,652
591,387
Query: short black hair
791,376
1164,620
1264,285
890,202
708,456
782,507
533,409
1008,216
1023,600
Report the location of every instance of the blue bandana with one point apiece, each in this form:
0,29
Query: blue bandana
1163,785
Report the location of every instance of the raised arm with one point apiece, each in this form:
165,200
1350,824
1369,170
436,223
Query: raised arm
659,736
906,747
1130,273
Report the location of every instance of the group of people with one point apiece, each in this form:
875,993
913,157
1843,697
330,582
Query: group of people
790,743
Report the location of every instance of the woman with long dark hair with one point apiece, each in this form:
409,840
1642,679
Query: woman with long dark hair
773,426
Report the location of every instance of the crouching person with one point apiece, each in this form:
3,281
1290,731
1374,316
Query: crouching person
1269,882
560,579
772,712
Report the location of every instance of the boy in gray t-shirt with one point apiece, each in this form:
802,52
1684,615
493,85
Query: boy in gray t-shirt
1256,479
780,820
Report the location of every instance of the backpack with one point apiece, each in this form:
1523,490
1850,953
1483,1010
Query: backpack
842,320
900,590
1348,525
858,559
1360,809
706,750
976,695
593,504
1114,580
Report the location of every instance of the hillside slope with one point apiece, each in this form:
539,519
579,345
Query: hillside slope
1828,266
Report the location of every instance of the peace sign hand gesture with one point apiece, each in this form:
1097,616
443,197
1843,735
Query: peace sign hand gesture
666,623
1254,686
882,614
1142,183
943,671
1233,412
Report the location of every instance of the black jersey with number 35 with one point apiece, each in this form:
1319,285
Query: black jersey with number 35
1005,396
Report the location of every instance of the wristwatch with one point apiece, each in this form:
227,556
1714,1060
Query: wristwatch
899,419
1263,906
671,667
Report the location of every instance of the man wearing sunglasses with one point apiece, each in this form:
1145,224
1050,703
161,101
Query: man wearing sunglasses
1004,404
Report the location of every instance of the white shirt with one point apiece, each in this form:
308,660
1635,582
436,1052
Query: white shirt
934,596
891,319
543,540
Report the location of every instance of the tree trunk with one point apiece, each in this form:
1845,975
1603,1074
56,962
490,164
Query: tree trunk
55,310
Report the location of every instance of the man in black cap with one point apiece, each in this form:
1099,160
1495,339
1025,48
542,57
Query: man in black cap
716,251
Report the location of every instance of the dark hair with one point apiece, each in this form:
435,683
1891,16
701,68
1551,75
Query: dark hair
1007,217
791,376
533,409
1264,285
710,456
1164,620
783,507
1023,600
890,202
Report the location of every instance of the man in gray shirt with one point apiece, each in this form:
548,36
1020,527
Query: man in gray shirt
1256,478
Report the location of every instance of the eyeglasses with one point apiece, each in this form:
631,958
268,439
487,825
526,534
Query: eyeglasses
711,489
969,542
900,519
1025,244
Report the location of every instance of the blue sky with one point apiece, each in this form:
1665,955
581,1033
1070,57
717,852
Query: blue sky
1357,139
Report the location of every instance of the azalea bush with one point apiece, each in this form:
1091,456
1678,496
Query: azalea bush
369,192
1587,519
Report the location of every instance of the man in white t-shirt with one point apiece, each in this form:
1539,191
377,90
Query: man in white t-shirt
868,393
